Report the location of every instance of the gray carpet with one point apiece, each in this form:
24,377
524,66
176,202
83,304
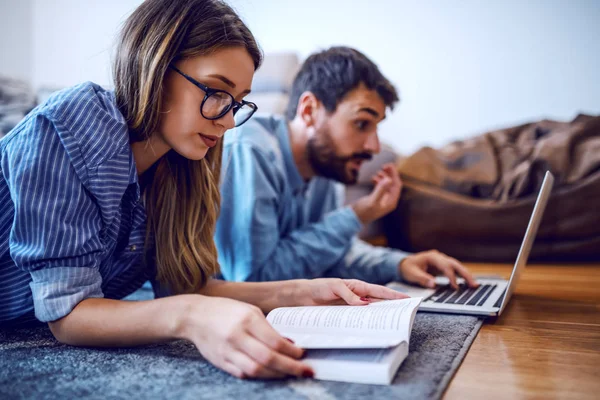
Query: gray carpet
34,365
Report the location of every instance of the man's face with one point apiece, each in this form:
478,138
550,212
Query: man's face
344,139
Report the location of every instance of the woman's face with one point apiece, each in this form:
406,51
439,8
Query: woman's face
182,127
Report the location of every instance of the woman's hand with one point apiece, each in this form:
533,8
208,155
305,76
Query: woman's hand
237,338
334,291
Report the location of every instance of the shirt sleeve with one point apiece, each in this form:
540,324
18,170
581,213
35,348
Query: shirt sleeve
374,264
369,263
56,229
248,240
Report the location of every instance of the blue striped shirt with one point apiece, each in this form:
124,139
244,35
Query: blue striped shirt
71,222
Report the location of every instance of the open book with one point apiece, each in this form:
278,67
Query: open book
362,344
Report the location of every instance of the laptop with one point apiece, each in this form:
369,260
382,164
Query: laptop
492,295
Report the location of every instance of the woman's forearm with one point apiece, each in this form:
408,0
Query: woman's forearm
115,323
264,295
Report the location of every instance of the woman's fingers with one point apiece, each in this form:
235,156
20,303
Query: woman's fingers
341,289
364,289
245,367
264,332
266,359
232,369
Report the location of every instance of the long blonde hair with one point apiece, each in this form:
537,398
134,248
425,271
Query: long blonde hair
182,198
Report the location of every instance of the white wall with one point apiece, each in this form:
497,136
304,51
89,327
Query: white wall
74,39
16,38
461,66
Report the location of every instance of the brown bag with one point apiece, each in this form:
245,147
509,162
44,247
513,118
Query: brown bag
472,199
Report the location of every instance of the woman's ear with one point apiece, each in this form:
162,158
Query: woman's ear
308,105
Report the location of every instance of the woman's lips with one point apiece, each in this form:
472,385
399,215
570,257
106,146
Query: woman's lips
210,141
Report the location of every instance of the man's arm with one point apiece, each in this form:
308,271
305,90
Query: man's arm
369,263
247,234
364,261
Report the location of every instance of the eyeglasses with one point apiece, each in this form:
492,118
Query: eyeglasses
218,102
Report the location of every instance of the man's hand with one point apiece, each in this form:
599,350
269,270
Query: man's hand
384,197
418,268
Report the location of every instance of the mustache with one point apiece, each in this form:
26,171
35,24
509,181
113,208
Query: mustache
358,156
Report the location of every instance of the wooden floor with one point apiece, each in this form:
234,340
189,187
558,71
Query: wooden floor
546,344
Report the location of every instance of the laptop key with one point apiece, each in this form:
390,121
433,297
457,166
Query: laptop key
447,293
478,295
484,298
456,295
466,296
499,301
437,294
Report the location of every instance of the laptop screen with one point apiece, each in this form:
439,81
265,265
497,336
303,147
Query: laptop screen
532,227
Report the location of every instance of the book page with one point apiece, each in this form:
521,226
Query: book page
374,356
374,366
319,324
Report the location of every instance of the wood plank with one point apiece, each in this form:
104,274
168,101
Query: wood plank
545,345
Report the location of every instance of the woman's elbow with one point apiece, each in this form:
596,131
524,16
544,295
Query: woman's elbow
60,331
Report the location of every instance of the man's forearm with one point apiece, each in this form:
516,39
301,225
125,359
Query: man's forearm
369,263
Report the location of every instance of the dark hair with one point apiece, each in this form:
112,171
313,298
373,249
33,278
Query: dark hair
182,199
331,74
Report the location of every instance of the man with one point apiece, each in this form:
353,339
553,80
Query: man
281,207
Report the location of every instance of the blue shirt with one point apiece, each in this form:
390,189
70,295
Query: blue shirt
71,222
274,225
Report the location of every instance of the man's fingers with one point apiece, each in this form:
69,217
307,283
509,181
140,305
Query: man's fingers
388,169
376,179
379,175
381,189
398,181
443,264
396,186
415,274
434,261
464,272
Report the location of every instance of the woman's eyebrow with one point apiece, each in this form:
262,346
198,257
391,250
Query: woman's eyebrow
227,81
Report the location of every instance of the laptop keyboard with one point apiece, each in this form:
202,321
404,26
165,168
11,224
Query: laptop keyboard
463,295
499,301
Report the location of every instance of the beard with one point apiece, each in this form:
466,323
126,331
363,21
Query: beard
328,164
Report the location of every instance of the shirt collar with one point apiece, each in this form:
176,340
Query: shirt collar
295,179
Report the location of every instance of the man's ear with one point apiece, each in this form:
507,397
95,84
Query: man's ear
308,105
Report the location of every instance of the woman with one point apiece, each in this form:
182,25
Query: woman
101,191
